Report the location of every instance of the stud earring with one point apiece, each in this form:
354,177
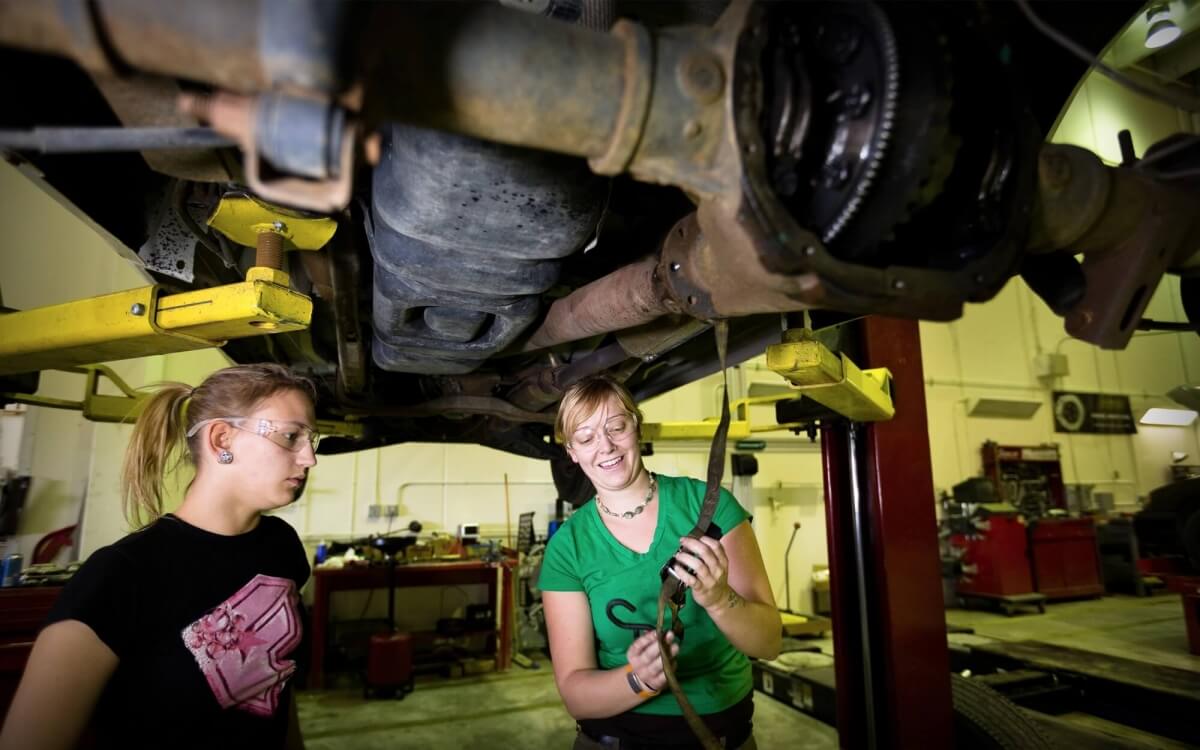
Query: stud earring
224,457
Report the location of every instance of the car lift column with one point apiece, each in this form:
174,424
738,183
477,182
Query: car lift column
889,628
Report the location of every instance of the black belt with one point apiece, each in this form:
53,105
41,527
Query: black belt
733,739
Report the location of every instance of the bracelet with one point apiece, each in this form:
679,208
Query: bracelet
636,684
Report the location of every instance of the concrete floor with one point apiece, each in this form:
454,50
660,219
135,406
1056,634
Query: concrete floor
1149,628
522,709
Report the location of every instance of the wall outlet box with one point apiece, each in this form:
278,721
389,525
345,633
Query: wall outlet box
1048,365
374,512
391,511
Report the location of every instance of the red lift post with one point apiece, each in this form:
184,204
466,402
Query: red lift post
889,627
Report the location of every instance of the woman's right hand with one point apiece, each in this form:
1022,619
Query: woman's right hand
645,658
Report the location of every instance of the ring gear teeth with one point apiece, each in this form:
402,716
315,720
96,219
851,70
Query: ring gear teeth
883,132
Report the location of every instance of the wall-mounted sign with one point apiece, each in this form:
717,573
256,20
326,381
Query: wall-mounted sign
1093,413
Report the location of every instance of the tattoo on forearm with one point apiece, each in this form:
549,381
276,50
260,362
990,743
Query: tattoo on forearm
734,600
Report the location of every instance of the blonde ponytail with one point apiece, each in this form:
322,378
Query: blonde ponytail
158,433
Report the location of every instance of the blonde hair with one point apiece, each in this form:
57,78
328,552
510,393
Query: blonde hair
161,429
583,399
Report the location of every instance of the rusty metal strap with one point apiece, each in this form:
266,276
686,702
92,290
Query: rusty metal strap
672,594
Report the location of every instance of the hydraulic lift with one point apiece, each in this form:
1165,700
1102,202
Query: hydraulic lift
889,630
894,681
74,336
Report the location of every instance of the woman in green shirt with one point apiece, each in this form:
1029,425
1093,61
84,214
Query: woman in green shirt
600,583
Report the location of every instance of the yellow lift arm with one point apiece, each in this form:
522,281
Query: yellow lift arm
815,372
740,426
99,407
832,380
141,322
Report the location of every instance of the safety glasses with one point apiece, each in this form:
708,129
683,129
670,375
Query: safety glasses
292,436
617,428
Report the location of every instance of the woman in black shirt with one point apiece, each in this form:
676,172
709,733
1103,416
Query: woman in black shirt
183,632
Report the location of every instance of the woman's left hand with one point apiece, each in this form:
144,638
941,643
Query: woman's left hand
710,582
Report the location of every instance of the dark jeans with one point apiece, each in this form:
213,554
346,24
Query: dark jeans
583,742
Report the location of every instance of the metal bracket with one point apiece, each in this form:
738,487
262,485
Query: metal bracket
96,406
832,380
99,407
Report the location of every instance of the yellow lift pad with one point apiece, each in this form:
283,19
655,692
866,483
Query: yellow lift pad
241,218
832,380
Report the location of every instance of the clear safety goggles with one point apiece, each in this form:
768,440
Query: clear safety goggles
292,436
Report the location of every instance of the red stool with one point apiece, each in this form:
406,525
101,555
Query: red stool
389,666
1189,590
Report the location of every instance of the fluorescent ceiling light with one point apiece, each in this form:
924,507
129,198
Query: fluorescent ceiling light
1169,417
1003,408
1162,30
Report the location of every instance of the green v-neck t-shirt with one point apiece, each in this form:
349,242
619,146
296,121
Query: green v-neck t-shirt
622,588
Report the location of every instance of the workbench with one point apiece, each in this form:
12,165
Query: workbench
496,576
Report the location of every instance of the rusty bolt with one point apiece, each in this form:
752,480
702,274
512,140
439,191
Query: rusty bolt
701,77
269,250
138,309
691,129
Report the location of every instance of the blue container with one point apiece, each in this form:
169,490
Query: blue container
10,570
322,552
553,528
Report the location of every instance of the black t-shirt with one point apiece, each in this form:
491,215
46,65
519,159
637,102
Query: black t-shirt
205,627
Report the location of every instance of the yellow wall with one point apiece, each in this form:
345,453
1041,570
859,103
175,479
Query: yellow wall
42,238
990,351
51,253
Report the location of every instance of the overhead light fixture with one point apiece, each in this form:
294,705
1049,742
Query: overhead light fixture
1161,29
1003,408
1169,417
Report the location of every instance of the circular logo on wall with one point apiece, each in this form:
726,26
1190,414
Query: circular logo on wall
1069,412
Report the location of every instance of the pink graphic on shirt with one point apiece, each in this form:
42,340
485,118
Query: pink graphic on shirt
241,644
